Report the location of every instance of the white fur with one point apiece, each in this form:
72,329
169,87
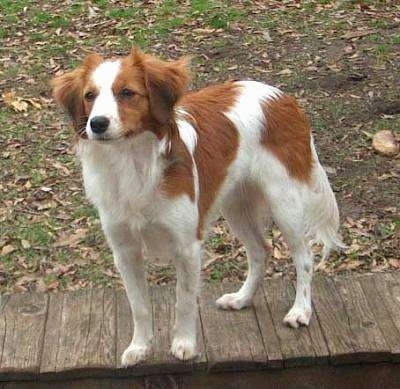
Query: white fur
122,179
105,104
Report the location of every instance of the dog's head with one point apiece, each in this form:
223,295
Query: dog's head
113,99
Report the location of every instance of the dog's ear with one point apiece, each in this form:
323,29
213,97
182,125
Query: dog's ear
68,90
165,81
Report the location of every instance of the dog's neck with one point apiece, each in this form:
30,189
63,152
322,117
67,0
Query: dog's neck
121,172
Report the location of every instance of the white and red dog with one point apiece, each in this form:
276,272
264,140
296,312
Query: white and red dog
159,163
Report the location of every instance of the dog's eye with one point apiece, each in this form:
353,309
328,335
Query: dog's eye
90,96
126,92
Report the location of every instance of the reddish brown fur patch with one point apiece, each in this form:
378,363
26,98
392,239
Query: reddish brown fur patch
157,85
217,140
178,176
287,135
68,90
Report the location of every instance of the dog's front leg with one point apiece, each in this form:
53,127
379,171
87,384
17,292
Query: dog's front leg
128,259
184,343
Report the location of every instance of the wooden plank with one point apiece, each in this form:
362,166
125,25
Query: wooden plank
100,348
3,302
267,329
370,343
52,335
372,285
232,338
86,383
388,285
317,338
296,344
85,341
74,330
24,319
333,319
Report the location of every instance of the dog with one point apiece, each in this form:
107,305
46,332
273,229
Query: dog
160,163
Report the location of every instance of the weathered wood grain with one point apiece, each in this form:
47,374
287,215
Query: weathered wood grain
80,333
100,348
317,338
267,329
3,302
74,330
83,334
232,338
370,343
52,335
296,344
388,285
334,321
24,317
372,286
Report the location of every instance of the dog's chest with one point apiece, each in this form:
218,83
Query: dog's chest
120,186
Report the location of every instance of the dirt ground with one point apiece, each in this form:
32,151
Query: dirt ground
341,59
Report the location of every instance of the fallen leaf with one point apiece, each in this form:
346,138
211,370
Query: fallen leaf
71,240
284,72
14,102
358,34
8,249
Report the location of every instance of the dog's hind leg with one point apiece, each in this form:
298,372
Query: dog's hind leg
248,215
288,203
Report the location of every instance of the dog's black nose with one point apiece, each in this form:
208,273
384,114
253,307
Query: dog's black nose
99,124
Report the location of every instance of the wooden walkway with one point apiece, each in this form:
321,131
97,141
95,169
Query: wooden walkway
75,339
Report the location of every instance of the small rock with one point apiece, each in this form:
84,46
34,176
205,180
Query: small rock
385,143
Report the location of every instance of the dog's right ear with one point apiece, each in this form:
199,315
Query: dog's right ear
68,90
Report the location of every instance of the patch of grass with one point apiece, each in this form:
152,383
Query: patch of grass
383,50
378,23
396,39
122,13
36,234
375,38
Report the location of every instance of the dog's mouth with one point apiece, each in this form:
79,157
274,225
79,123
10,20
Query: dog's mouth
106,138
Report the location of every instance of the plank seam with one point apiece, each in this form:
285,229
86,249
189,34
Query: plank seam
5,328
335,286
59,338
322,332
89,326
273,324
114,293
202,334
44,332
294,291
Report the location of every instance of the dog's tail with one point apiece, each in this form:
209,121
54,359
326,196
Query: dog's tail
322,223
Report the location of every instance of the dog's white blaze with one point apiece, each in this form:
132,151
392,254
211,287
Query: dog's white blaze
105,104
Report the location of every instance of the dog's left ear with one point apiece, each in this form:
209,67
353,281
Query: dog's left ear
165,81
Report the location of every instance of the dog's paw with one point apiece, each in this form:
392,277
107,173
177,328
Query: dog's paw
183,348
233,301
298,316
134,354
